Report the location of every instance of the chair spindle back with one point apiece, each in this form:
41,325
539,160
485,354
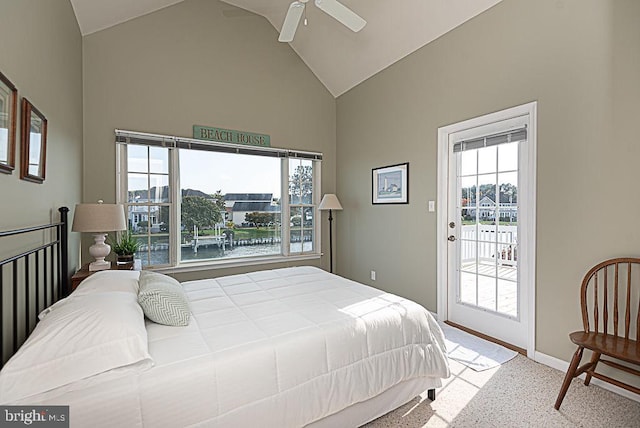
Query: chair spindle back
610,295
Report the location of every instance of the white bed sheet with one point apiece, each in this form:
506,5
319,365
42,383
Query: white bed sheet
275,348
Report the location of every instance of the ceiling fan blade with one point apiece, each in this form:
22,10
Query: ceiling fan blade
291,22
342,13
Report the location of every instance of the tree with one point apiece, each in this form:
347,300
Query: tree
487,190
218,199
259,217
200,212
508,193
301,185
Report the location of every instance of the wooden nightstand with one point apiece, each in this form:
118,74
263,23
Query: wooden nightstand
84,273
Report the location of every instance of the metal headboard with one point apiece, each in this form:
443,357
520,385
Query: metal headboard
37,278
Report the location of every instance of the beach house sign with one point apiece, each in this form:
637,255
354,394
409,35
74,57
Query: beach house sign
230,136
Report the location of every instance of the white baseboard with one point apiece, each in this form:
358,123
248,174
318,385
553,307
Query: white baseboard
561,365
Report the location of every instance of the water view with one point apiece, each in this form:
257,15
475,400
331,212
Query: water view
161,256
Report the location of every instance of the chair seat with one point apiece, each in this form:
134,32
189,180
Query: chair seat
608,344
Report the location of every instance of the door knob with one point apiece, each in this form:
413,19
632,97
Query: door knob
451,238
452,225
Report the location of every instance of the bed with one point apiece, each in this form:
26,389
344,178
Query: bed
275,348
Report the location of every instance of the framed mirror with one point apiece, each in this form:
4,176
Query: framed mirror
8,111
33,146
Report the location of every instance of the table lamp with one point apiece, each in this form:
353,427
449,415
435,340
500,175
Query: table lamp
99,219
330,202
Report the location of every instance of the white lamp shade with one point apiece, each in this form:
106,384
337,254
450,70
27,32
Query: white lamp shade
99,218
330,202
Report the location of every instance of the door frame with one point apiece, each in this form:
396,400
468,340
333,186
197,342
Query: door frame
527,251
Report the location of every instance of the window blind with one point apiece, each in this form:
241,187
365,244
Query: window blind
145,139
515,135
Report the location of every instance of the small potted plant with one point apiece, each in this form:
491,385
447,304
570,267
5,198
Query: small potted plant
125,248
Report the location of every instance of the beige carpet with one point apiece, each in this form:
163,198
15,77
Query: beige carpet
519,393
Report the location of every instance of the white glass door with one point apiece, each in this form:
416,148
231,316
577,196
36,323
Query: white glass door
485,292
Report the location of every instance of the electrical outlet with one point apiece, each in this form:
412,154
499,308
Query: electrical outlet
432,206
373,275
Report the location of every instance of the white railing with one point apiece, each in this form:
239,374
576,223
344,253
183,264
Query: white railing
499,242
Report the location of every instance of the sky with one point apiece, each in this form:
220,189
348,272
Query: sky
230,173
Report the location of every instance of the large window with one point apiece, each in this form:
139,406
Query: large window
149,202
189,201
301,205
230,205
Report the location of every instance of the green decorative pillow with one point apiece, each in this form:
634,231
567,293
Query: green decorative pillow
162,299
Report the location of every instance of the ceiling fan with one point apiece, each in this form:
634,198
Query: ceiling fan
331,7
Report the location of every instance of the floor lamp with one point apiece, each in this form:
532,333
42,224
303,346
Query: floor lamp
330,202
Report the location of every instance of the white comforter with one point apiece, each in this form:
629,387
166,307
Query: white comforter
277,348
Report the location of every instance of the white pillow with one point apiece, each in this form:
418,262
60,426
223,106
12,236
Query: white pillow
110,280
124,281
83,336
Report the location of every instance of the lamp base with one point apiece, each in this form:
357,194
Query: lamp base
99,250
99,265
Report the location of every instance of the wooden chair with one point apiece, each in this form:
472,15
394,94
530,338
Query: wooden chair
610,299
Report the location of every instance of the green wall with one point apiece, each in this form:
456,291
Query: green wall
41,53
190,64
580,59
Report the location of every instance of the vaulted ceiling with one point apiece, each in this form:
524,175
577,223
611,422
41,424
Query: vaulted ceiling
340,58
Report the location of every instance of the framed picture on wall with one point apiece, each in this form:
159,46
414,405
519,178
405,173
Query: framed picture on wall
390,184
8,112
33,145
